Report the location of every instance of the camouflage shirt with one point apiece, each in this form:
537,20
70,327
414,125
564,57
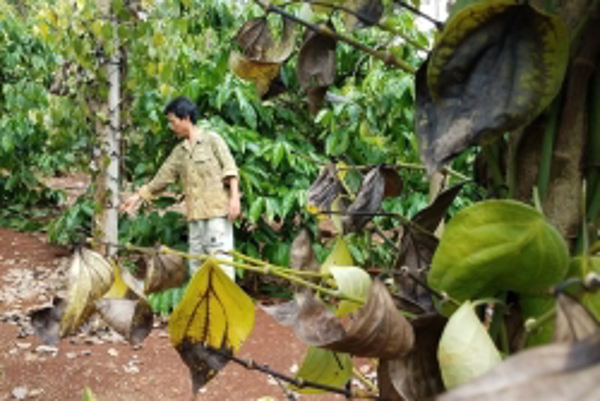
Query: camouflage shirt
202,168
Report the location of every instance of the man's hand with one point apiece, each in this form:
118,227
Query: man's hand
131,204
234,208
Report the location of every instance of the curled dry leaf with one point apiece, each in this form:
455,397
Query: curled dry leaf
369,13
262,57
556,372
90,277
325,189
46,321
132,319
315,324
467,91
368,200
316,66
303,256
165,272
214,313
573,321
393,182
417,375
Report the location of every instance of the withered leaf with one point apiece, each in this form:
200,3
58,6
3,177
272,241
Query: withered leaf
254,38
556,372
415,376
325,189
259,72
315,96
165,271
132,319
369,13
316,325
303,256
393,182
379,330
203,362
573,321
286,314
368,200
46,321
417,249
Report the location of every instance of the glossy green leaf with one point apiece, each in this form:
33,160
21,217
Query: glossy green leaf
496,246
466,350
324,367
495,68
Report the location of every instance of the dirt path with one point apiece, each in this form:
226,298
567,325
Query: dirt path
31,271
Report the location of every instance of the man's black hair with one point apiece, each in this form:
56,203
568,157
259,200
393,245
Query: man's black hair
183,107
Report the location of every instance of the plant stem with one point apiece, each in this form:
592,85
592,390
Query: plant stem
387,57
547,148
413,166
302,273
532,326
368,383
489,151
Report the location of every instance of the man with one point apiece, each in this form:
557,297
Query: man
209,176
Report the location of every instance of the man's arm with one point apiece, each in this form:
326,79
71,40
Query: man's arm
234,200
166,175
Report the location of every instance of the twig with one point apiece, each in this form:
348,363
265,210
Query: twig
413,166
438,24
251,365
366,382
386,57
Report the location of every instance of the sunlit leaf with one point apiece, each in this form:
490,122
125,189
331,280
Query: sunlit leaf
495,68
340,256
466,350
324,367
562,371
417,375
496,246
132,319
90,277
214,314
259,72
352,281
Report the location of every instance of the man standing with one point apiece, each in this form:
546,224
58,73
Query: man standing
209,177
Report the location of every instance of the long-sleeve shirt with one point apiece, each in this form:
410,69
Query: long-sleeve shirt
203,169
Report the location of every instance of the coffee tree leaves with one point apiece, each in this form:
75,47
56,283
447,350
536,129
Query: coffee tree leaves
316,66
352,281
214,314
466,350
468,93
324,367
132,319
90,277
561,371
417,375
496,246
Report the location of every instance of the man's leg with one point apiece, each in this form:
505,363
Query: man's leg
195,245
219,237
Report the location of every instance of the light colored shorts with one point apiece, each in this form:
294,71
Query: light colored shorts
206,237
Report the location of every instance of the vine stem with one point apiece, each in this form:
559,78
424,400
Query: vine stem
534,324
300,383
387,57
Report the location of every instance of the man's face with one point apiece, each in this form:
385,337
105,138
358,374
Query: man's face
180,126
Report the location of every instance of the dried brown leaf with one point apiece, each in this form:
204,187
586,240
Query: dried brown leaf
393,182
165,271
369,13
259,72
415,376
46,321
316,325
303,256
286,314
317,60
573,321
368,200
556,372
325,189
132,319
203,362
379,330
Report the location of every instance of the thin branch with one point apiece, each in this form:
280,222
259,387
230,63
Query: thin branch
251,365
386,57
362,17
438,24
413,166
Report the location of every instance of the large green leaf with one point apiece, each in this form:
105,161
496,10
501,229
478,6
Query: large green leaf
495,67
466,350
324,367
498,246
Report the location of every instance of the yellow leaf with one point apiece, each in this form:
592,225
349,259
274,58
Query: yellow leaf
96,28
324,367
158,39
352,281
466,350
214,311
340,256
90,277
151,70
260,72
164,90
119,288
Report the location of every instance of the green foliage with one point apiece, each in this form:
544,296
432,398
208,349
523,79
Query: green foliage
497,246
